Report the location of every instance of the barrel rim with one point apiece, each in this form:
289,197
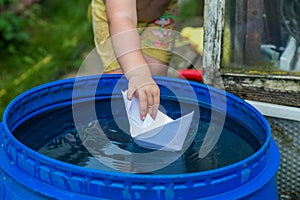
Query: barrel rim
122,175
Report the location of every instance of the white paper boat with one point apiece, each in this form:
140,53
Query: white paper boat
163,133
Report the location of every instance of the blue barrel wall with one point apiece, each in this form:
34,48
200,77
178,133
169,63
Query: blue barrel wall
26,174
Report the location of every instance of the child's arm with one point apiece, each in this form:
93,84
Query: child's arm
122,21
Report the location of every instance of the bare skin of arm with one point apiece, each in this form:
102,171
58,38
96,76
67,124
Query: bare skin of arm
122,20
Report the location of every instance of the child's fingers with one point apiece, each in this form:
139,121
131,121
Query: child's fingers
155,104
130,92
143,99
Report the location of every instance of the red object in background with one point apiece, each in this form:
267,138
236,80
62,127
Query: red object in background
191,74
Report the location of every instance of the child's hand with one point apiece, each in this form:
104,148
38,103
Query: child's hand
144,87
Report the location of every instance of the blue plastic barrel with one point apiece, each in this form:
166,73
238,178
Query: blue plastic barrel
27,174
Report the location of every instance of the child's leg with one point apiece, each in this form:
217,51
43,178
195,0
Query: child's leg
157,67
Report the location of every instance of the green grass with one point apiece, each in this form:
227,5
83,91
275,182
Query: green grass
60,37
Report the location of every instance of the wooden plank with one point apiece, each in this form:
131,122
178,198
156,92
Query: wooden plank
272,23
239,32
213,29
254,29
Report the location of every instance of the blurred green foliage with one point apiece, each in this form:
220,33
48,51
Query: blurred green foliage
59,36
190,8
11,31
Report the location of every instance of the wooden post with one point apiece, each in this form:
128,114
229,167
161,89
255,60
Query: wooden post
254,29
213,29
239,32
273,18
